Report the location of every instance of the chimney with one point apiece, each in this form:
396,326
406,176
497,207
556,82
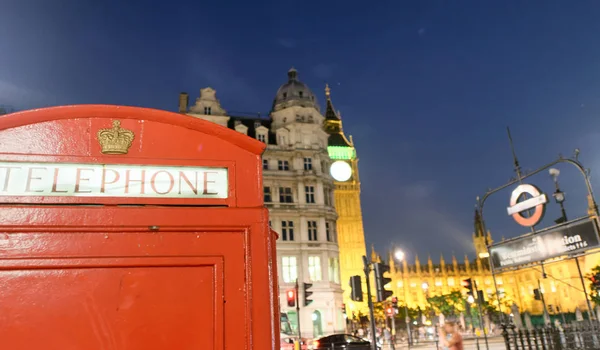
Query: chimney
183,102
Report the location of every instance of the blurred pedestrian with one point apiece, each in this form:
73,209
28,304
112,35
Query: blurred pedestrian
451,338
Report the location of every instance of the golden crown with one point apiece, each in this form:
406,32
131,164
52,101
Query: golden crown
115,140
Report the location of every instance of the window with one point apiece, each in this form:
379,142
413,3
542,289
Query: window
267,194
289,269
265,164
207,110
262,138
310,194
300,93
287,230
334,270
285,195
312,230
314,268
307,163
282,140
284,95
327,196
283,165
328,232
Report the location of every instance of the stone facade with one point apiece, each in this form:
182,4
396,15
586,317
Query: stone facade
301,196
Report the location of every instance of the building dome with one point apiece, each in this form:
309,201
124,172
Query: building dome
294,93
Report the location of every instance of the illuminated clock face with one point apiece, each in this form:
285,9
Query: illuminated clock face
341,171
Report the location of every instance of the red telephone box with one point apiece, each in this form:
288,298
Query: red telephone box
132,228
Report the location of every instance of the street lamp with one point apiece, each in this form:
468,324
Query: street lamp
399,255
559,196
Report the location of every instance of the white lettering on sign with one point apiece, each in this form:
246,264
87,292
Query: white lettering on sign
103,180
527,204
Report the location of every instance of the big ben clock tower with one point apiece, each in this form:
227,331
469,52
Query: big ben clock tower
351,236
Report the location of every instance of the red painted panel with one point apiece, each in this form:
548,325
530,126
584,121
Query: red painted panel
106,274
113,304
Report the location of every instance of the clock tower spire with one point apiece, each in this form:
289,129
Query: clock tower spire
344,170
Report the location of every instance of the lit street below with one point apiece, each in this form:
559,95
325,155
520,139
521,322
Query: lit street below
495,343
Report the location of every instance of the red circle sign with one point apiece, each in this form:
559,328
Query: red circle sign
537,202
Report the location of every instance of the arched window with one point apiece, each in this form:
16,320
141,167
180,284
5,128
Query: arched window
317,323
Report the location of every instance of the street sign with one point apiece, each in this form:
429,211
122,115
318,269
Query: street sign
573,238
536,202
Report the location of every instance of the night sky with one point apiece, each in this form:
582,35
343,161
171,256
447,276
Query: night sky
426,88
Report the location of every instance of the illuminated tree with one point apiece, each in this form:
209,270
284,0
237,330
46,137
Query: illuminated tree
594,284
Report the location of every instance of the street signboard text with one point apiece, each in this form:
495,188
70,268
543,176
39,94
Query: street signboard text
576,237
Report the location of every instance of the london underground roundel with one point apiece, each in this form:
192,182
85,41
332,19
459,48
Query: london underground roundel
341,171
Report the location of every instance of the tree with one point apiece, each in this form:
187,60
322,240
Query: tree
451,305
413,313
593,289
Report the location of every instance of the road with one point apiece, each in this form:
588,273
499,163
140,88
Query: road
495,343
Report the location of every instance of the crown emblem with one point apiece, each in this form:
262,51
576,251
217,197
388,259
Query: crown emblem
115,140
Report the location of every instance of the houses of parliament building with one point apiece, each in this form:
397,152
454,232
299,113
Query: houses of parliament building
561,288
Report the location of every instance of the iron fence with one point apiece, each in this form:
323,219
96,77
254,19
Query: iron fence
571,337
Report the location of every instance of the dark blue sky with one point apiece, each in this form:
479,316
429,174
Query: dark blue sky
426,88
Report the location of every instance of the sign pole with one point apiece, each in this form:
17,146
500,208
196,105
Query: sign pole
587,299
393,332
298,313
546,314
367,270
407,318
479,301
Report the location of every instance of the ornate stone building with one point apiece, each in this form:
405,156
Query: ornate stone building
301,194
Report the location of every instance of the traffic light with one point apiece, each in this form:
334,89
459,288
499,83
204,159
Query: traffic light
595,281
291,297
380,281
389,311
307,294
537,295
468,285
344,309
395,304
356,293
480,296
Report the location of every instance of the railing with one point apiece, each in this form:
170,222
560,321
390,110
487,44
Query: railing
551,338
